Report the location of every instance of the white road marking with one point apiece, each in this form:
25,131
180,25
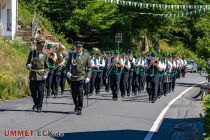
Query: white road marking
159,119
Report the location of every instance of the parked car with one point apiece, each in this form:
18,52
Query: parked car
191,66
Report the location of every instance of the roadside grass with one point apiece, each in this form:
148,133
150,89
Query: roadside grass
13,73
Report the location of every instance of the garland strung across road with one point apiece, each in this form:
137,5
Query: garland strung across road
183,14
158,6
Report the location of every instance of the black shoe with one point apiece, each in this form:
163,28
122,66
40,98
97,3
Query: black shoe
128,94
97,92
48,96
107,90
75,109
34,108
86,94
39,110
55,95
115,99
62,93
123,96
79,112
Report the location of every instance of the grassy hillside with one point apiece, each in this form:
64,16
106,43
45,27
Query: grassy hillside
13,73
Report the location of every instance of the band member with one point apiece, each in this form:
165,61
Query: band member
101,63
167,75
87,85
131,72
174,73
110,62
125,75
142,71
63,74
179,66
105,57
161,77
184,66
115,74
153,66
37,64
52,57
59,66
78,71
94,69
136,75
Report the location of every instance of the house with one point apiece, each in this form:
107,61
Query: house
8,18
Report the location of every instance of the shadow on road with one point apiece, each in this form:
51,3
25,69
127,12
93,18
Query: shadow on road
185,129
105,135
44,111
59,103
187,84
173,129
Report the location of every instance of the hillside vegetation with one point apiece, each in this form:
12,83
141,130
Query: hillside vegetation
13,73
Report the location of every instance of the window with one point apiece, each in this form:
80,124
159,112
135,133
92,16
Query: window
9,20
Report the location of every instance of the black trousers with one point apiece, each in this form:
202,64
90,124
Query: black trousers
183,71
37,92
49,82
130,82
141,81
99,80
124,83
160,85
92,81
166,85
77,93
178,74
87,88
56,82
115,85
135,85
104,77
173,81
63,81
152,87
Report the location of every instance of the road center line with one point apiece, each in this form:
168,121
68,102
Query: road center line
159,119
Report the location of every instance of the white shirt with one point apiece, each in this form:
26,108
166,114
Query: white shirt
128,63
103,62
140,62
164,65
178,62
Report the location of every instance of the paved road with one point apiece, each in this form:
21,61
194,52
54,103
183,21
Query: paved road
130,118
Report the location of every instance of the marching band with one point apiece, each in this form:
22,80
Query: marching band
122,73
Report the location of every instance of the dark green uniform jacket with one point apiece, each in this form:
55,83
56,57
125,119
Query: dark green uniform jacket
78,67
39,68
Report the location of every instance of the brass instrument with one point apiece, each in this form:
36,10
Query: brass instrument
118,64
51,55
60,61
155,61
